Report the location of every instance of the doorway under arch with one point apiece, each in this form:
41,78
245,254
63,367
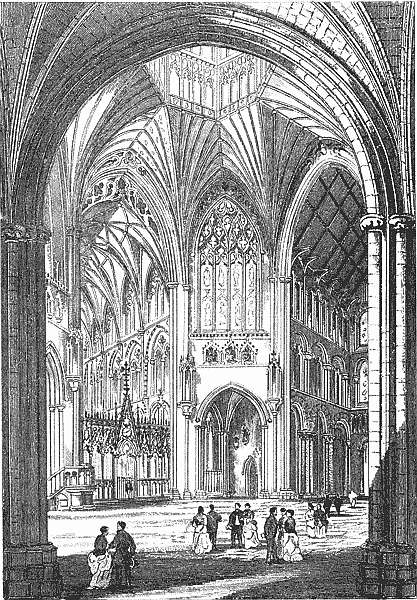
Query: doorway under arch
340,461
229,447
250,473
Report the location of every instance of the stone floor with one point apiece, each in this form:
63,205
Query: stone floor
168,570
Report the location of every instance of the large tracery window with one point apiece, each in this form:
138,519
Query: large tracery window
228,271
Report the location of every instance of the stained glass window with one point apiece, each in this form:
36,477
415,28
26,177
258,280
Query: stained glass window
228,253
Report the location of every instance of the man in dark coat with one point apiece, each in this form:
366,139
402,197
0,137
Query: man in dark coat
337,501
280,537
327,504
213,520
270,532
236,526
125,549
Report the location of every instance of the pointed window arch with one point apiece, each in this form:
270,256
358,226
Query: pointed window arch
228,271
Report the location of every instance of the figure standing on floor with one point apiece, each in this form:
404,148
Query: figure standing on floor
213,520
291,545
129,489
327,504
100,562
281,521
309,517
352,498
337,501
236,526
320,522
270,532
124,551
250,529
201,540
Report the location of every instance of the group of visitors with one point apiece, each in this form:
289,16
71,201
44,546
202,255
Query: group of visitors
317,517
317,521
280,534
111,564
241,523
282,544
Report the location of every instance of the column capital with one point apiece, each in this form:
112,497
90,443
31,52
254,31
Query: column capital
402,222
372,222
12,232
285,279
74,230
171,285
306,435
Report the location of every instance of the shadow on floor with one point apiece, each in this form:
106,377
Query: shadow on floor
320,575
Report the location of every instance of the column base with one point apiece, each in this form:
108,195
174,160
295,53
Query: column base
32,572
200,495
187,495
175,495
387,571
274,495
264,494
286,494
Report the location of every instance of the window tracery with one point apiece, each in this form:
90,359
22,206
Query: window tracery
228,271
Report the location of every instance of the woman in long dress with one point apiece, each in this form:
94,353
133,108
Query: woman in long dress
100,562
201,540
320,522
290,543
250,532
309,517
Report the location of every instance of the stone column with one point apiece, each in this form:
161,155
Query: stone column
309,463
226,462
388,564
373,225
173,385
401,224
307,387
347,468
284,308
326,382
275,442
30,564
264,486
272,306
74,341
325,445
302,464
345,390
331,469
222,456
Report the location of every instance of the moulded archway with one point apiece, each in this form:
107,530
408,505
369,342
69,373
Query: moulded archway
230,444
238,26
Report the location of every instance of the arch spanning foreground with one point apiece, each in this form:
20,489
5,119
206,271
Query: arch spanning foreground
51,89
